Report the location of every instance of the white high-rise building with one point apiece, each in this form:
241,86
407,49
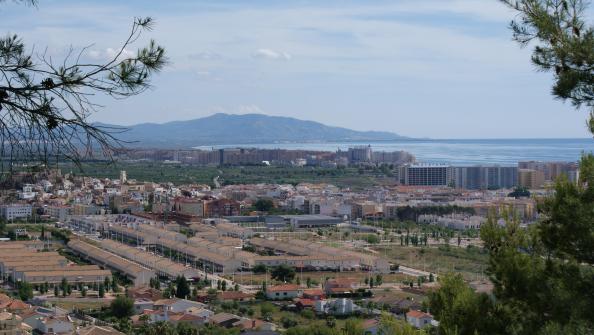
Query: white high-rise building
123,177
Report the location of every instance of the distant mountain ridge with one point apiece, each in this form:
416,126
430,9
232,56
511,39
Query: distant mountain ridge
244,129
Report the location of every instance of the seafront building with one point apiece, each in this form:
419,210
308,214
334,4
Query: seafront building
427,175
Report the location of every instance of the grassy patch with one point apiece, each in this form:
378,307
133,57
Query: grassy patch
470,262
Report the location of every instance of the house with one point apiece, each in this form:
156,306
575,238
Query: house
55,324
152,316
405,305
224,320
142,304
176,305
11,324
338,286
149,316
418,319
32,316
97,330
194,320
144,292
314,294
284,292
4,298
200,311
14,306
341,306
305,303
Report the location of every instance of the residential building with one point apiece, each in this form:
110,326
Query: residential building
11,324
360,154
284,292
419,319
58,212
15,211
427,175
338,286
485,177
531,179
341,306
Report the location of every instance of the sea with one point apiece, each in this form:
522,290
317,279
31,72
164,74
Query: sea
505,152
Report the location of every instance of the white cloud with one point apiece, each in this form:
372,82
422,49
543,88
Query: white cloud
271,54
110,53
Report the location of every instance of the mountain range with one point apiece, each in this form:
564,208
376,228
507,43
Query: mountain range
225,129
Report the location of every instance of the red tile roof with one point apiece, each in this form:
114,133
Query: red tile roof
313,292
306,302
283,288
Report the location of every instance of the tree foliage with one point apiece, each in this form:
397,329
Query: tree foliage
122,307
459,309
45,102
543,275
564,45
25,291
389,325
283,273
182,288
264,205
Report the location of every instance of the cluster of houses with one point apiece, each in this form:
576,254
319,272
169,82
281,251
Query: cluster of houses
150,306
52,194
20,318
319,301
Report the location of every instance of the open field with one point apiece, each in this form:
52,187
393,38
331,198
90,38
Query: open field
470,262
319,277
82,303
184,174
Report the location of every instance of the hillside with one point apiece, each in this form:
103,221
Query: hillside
219,129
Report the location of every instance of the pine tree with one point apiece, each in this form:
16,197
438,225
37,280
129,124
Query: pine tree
182,287
53,102
101,290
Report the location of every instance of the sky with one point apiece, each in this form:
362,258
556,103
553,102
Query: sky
419,68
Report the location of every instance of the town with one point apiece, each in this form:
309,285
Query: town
98,255
224,167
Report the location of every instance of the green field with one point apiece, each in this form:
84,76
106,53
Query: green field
470,262
184,174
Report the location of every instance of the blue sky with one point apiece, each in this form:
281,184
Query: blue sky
421,68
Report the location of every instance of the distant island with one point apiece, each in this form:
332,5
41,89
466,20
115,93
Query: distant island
222,129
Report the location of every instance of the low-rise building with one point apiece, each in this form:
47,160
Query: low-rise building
15,211
284,292
419,319
341,306
11,324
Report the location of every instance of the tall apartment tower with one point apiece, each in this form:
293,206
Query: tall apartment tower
485,177
428,175
123,177
360,154
530,178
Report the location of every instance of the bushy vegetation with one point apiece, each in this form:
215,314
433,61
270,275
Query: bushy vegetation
229,175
